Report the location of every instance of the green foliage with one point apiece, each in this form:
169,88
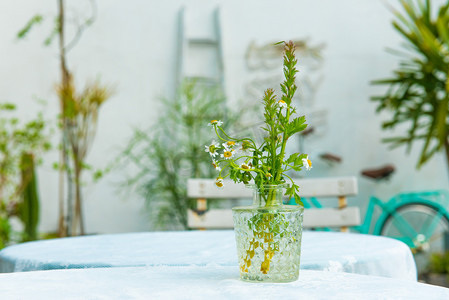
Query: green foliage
28,209
265,164
79,118
79,112
19,142
172,151
418,93
439,263
5,231
53,34
36,19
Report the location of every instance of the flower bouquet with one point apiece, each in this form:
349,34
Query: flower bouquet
268,233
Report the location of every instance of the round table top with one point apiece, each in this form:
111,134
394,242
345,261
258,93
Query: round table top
345,252
204,282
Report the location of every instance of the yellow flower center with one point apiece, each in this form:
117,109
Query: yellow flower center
281,102
211,148
230,143
309,162
227,154
214,121
245,167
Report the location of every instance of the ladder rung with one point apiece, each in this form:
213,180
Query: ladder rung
202,41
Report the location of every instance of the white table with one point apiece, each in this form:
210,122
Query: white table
204,282
332,251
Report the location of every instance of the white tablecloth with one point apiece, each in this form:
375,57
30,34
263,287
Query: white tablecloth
207,282
334,251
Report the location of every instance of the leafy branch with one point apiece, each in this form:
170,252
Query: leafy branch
418,92
171,151
265,164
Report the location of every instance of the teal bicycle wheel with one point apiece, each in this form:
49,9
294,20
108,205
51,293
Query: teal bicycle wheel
422,227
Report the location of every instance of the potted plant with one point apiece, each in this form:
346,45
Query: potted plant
22,145
174,144
78,118
268,233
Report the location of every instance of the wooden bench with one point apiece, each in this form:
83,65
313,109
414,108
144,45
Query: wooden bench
323,188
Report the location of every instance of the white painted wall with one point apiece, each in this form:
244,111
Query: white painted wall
132,45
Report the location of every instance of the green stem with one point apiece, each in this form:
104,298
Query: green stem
273,151
231,138
270,198
284,142
289,178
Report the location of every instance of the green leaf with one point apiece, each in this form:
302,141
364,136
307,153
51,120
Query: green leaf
295,126
7,106
37,19
298,200
417,93
292,158
292,192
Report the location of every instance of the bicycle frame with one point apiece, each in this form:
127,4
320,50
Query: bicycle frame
435,199
366,225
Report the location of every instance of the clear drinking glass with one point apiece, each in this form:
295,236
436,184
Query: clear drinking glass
268,236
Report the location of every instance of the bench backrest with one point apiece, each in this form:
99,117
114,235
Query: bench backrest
340,187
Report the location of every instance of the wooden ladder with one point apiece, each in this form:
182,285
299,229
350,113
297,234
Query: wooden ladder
200,51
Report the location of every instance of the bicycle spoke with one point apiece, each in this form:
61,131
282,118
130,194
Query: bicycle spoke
436,237
404,227
433,225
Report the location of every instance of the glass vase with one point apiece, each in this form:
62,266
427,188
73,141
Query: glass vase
268,236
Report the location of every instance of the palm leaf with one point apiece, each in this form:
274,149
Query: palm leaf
418,92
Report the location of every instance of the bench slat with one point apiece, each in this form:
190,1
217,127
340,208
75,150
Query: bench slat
313,218
311,187
331,217
339,187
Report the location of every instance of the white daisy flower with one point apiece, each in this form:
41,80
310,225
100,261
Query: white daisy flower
216,165
215,122
245,167
307,163
212,148
282,104
219,182
227,154
230,144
